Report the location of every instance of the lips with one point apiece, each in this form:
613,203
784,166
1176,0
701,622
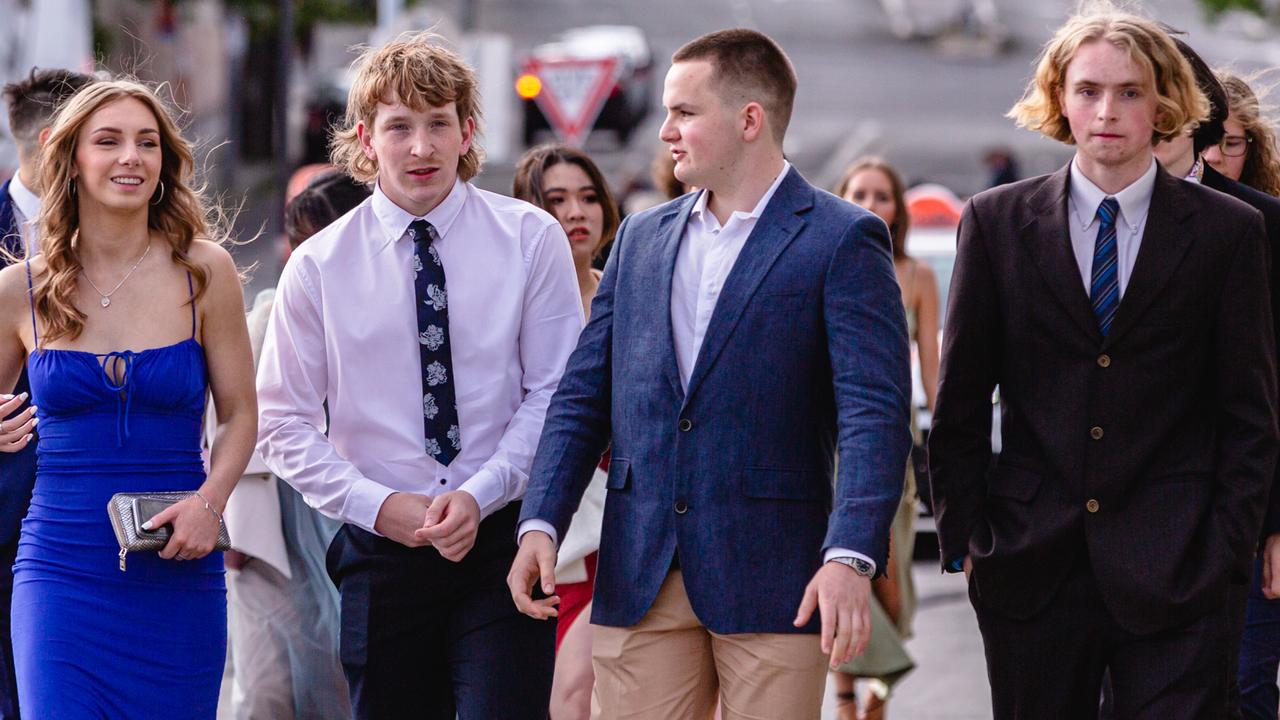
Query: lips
127,180
579,233
424,172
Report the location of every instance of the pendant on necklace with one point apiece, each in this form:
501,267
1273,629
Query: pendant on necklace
106,301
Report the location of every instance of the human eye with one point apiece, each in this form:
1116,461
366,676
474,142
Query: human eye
590,198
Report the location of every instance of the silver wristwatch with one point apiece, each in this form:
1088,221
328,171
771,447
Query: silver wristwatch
860,566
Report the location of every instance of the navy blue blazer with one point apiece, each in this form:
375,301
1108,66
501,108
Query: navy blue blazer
805,358
17,470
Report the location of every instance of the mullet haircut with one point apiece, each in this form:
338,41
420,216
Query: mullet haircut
419,72
1181,104
748,65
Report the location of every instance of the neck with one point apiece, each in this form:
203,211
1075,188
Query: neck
583,270
107,236
1180,167
27,174
1111,179
742,190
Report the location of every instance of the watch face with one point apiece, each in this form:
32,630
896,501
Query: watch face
862,567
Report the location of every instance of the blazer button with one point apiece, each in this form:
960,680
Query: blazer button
1096,433
1104,361
1092,506
685,425
681,507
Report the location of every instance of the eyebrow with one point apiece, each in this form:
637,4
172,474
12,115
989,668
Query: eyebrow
118,130
550,190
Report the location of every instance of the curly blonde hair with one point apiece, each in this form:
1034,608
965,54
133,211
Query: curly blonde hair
419,72
180,215
1181,103
1262,159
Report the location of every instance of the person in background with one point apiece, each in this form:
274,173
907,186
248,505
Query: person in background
131,313
32,103
874,184
1249,153
282,608
566,182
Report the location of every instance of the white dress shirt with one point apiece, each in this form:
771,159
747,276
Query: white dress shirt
1082,217
344,330
706,255
26,207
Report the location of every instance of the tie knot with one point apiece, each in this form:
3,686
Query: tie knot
421,231
1108,210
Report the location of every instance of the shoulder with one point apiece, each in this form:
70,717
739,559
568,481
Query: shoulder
211,255
1216,206
1266,204
1015,192
14,288
529,224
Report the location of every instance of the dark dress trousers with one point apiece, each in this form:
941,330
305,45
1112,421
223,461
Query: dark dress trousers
1135,468
17,477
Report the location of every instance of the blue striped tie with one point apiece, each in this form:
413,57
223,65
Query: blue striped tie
1104,288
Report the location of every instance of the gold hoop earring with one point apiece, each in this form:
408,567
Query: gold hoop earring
160,199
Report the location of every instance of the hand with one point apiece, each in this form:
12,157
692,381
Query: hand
235,560
536,559
451,524
967,566
842,597
16,431
400,515
1271,567
195,529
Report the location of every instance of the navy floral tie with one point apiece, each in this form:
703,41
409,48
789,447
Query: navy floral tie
439,401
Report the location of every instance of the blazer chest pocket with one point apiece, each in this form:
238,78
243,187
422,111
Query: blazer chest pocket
780,302
619,474
765,483
1014,483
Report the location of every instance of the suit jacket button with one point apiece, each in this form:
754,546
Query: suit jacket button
681,507
1092,506
1096,433
685,425
1104,361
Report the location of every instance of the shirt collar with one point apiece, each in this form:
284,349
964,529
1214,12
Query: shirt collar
395,220
709,220
28,203
1134,200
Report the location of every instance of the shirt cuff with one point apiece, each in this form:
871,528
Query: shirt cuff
364,501
487,489
534,524
839,552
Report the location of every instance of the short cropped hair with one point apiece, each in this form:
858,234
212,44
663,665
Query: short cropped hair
748,65
34,101
419,72
1181,104
1210,131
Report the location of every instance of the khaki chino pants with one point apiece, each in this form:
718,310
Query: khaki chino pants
669,666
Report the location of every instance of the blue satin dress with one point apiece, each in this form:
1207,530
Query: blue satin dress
91,641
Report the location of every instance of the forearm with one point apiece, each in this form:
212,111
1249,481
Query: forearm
232,447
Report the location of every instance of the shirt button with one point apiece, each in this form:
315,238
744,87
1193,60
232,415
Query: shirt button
443,481
1104,361
1092,506
1096,433
685,425
681,507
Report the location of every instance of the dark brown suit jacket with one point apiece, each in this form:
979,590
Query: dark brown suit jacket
1150,451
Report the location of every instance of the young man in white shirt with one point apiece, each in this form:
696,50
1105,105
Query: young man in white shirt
434,320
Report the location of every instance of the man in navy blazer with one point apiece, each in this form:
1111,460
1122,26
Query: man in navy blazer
743,338
32,103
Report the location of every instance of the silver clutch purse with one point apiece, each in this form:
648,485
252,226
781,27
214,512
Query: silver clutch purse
122,509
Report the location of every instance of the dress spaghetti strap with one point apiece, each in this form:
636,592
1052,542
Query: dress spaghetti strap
191,292
31,300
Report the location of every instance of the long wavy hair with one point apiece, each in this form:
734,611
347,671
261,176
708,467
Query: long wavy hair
179,214
1262,159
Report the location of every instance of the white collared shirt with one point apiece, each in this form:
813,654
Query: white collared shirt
1083,200
707,253
26,207
344,330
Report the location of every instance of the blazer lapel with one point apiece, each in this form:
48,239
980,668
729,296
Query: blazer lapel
670,231
774,230
1049,238
1164,242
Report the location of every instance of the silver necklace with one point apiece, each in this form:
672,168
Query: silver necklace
106,297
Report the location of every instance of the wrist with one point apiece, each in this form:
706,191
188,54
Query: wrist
856,564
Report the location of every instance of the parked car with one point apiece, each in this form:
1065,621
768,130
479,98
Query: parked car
630,99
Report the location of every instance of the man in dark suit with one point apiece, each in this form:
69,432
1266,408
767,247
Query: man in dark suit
1182,156
32,104
1124,315
743,338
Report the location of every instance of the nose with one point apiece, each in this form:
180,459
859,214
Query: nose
1212,155
129,155
667,133
574,209
1106,106
421,145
